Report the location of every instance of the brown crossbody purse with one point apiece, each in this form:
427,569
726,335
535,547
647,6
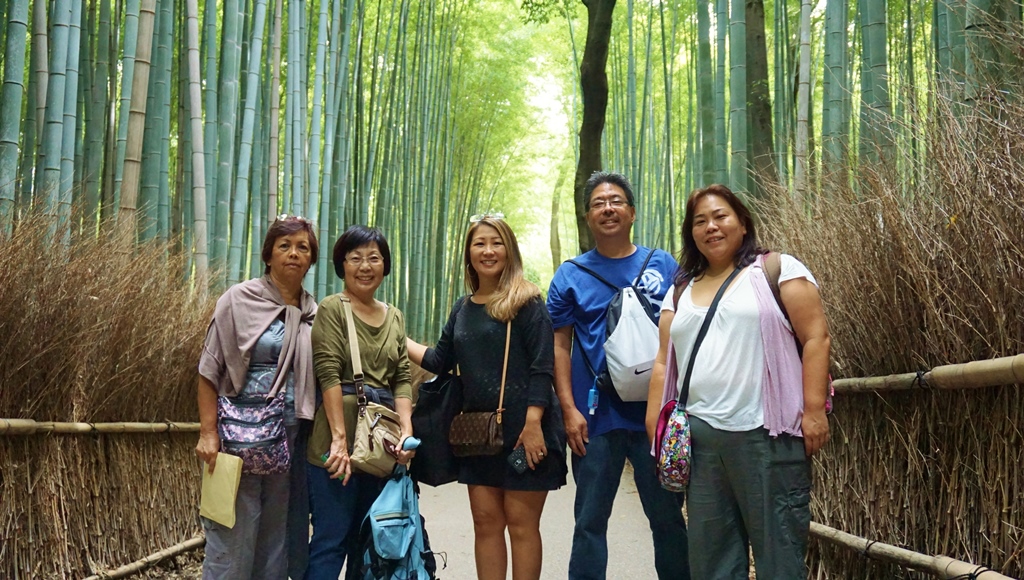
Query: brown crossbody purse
479,433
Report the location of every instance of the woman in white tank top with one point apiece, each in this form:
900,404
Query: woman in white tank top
756,407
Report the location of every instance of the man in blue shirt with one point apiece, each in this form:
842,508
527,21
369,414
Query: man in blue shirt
603,441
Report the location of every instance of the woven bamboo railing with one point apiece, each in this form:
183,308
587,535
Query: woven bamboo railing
995,372
140,565
939,566
30,427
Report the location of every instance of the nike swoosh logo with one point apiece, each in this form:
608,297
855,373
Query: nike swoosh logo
635,372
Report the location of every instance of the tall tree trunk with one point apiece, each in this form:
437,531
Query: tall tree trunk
759,99
126,218
97,123
10,110
594,89
875,135
553,238
236,257
987,61
275,114
230,55
834,122
803,102
705,98
199,234
70,125
721,123
49,187
739,167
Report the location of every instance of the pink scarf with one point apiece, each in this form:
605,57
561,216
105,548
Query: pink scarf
782,386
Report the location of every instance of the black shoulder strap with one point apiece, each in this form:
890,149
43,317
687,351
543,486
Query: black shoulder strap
773,271
606,282
583,353
644,267
684,392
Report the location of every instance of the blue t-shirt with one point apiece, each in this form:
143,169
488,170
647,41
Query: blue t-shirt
577,299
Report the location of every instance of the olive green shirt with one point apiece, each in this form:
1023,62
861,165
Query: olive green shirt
384,359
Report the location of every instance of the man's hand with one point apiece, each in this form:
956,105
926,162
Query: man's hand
576,431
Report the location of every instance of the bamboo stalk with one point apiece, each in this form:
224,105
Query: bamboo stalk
940,566
139,565
31,427
972,375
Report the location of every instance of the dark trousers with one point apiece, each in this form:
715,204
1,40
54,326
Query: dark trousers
748,489
338,511
597,477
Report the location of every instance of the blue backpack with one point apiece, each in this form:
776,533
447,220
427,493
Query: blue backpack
393,536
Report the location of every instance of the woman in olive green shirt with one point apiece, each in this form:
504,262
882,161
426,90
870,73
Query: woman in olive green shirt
339,497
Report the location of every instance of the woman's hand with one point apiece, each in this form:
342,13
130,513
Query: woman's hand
532,437
815,429
405,456
209,438
338,463
207,448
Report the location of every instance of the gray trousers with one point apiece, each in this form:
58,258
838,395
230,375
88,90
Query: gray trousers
270,539
747,489
256,547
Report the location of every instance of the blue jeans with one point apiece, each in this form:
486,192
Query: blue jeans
337,513
597,476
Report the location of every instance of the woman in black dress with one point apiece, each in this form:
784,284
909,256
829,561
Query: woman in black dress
473,341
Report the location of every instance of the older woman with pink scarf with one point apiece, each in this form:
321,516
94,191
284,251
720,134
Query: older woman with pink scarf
257,368
756,406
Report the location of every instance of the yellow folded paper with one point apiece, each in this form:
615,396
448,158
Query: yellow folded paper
220,489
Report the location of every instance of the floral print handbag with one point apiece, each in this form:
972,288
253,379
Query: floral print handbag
673,452
252,427
672,437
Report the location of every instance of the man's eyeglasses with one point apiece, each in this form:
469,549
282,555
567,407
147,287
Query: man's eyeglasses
372,259
496,215
614,203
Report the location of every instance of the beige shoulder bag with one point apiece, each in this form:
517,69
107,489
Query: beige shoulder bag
378,428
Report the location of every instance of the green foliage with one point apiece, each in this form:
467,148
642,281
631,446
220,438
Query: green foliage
543,11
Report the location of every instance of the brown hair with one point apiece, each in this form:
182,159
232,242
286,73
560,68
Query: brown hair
285,227
514,290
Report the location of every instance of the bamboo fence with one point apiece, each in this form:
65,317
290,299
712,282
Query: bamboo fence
143,563
75,506
950,487
933,470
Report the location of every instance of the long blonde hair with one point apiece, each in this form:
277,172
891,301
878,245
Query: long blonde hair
514,290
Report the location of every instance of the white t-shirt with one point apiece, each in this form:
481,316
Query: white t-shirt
725,387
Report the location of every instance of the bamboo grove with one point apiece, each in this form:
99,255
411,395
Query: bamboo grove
198,122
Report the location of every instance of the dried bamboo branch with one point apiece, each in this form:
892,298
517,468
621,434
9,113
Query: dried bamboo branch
31,427
995,372
138,565
940,566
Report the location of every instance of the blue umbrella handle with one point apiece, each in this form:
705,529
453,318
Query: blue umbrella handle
410,443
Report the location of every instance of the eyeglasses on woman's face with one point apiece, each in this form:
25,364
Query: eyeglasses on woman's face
356,260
